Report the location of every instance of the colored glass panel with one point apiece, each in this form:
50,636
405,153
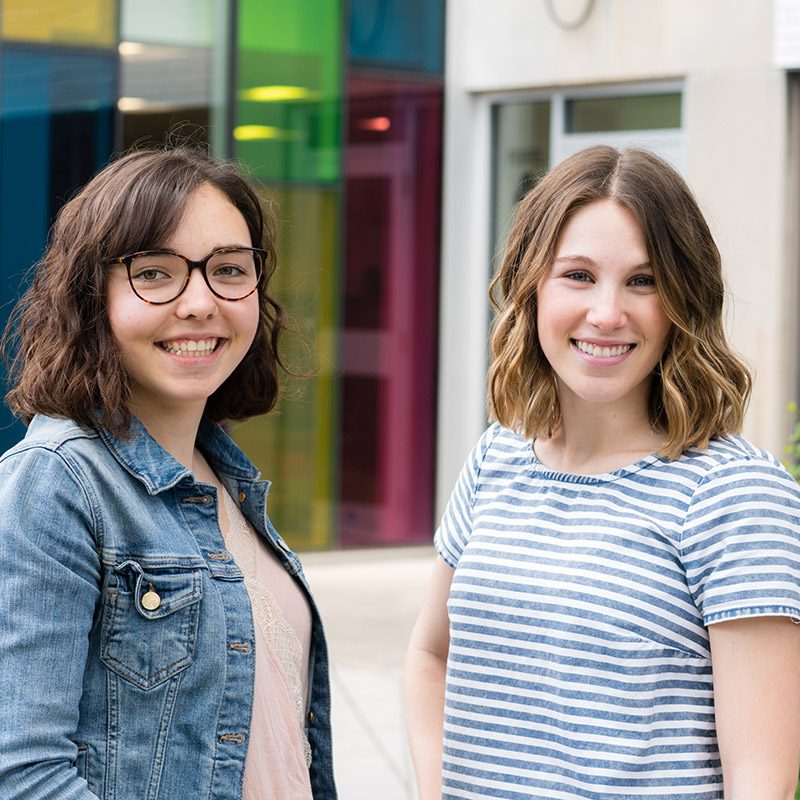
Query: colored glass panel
73,22
56,130
389,338
186,23
174,72
398,34
294,445
288,80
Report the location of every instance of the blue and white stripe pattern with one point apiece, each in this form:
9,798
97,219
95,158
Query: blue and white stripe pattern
579,662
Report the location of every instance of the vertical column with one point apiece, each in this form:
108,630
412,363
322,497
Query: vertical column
389,341
287,130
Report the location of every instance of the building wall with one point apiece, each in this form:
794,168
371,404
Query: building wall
737,152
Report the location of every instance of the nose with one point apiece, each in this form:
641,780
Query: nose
607,309
196,300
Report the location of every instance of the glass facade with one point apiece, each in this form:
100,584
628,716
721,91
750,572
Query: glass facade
289,83
58,73
388,347
335,109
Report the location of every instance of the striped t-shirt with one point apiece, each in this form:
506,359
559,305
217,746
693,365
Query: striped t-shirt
579,662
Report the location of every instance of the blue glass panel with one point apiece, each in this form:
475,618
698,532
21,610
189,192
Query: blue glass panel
56,130
398,34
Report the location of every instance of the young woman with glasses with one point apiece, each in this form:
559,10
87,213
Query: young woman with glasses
613,614
157,637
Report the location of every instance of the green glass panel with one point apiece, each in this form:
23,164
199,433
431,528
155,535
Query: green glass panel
294,445
627,113
287,119
72,22
287,116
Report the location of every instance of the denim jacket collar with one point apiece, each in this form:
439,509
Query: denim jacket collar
144,458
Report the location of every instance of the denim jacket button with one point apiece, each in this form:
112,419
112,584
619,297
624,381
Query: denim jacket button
150,600
242,497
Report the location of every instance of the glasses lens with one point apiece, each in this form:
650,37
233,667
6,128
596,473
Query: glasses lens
158,277
234,274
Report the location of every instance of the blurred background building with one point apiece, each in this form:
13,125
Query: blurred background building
335,108
392,201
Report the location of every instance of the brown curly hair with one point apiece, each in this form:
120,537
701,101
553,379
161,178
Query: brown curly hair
63,358
700,388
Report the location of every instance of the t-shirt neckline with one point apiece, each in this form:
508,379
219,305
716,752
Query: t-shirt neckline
600,477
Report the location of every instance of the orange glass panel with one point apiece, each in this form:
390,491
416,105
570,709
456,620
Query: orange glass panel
294,445
75,22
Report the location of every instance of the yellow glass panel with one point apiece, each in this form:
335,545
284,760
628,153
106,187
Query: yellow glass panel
294,445
79,22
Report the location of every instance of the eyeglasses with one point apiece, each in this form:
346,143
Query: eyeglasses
158,277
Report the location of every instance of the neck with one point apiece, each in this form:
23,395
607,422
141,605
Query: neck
595,438
175,430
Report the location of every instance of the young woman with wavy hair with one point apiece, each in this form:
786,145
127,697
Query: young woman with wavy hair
612,611
158,638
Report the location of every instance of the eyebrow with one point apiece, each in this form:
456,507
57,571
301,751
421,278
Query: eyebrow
577,259
214,249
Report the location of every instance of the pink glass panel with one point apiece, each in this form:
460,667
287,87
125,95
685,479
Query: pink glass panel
389,337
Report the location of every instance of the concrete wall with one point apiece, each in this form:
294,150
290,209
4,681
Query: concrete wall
740,161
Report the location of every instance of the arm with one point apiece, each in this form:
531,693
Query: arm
424,679
756,664
48,594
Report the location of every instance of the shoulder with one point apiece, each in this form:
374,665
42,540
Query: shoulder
732,471
56,456
50,436
42,480
730,455
504,444
498,451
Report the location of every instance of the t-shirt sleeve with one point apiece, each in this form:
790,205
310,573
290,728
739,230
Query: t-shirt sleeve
741,542
454,530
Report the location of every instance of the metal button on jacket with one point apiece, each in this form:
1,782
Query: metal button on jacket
151,600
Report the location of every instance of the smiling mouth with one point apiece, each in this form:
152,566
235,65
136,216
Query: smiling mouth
602,352
190,347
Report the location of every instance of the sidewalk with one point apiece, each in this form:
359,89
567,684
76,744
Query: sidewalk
369,600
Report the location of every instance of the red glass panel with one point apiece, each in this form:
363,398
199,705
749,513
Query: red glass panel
389,338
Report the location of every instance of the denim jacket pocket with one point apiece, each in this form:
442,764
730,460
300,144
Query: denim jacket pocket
150,620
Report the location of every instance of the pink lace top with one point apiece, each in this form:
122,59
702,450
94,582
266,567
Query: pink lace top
278,755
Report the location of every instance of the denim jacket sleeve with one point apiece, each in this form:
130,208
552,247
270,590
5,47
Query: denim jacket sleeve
49,591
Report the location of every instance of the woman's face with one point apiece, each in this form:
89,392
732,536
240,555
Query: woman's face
600,320
179,353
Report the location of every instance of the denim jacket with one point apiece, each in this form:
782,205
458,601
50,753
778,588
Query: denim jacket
103,695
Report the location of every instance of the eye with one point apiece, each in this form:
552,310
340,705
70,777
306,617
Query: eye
150,274
579,275
643,281
228,271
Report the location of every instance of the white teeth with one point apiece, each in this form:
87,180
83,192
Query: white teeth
603,352
190,347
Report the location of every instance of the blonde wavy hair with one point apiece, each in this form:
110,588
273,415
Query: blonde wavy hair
700,388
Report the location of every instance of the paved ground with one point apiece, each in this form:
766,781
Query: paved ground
369,600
